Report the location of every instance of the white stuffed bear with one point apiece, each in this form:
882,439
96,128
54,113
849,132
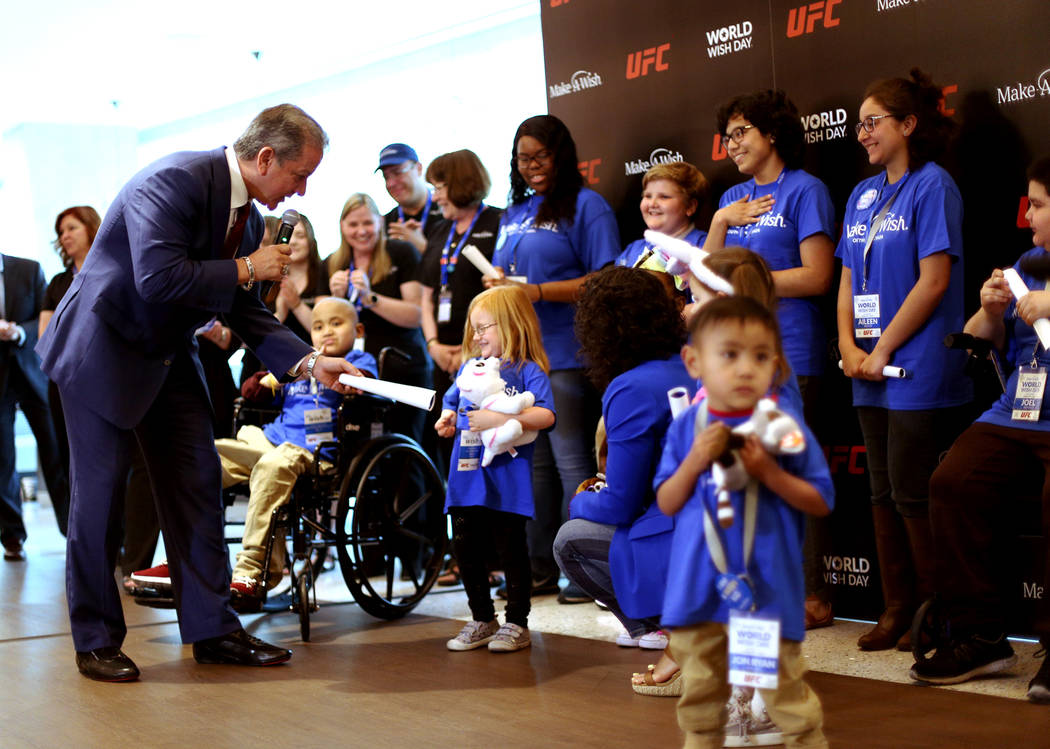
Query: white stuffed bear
480,383
776,430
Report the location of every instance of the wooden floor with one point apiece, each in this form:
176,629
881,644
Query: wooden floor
366,683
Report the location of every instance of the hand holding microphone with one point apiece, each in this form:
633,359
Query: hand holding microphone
284,236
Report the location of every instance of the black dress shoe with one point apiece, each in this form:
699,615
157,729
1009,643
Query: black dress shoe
13,550
240,649
107,664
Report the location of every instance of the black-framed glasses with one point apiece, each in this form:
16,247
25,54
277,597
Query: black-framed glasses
480,330
868,123
539,158
736,136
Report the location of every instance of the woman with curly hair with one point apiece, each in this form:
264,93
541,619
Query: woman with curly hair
554,233
901,293
616,545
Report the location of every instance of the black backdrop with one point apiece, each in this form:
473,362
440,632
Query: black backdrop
639,83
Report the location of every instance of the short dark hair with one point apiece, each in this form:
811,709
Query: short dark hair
624,318
775,115
740,309
465,178
1039,171
921,97
285,128
560,203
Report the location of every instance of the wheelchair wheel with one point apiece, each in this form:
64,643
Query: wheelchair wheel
390,528
304,589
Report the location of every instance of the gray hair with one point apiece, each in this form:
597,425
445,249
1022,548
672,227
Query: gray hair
285,128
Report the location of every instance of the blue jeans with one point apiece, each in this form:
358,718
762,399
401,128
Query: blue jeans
564,458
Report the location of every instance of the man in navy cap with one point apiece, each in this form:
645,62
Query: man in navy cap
415,216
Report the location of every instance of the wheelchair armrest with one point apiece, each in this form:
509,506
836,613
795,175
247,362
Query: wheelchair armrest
979,347
388,351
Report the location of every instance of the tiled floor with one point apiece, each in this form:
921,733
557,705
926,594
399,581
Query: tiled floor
832,650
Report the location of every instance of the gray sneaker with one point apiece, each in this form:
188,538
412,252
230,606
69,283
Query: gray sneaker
473,635
510,637
746,726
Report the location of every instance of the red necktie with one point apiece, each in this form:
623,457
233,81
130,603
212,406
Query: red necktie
233,241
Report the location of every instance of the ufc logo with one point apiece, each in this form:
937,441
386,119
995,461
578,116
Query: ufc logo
943,105
638,63
845,457
556,3
587,169
718,152
1022,222
804,20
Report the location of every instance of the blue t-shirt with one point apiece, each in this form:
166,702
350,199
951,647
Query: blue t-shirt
801,209
296,399
634,250
557,252
775,567
925,218
637,414
506,483
1021,343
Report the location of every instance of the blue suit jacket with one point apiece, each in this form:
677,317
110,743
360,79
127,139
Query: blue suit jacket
24,289
637,414
155,274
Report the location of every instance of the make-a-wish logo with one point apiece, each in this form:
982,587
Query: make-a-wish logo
581,81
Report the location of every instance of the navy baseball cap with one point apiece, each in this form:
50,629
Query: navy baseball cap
396,153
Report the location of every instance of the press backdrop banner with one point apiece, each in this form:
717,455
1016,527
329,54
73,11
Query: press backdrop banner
639,84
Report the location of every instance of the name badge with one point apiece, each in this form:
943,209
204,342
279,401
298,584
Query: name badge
866,316
318,423
754,650
1028,400
444,306
469,451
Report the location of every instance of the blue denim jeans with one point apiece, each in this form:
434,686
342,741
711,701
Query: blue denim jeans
564,457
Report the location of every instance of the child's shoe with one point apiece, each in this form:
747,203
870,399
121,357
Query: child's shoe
510,637
473,635
653,640
246,595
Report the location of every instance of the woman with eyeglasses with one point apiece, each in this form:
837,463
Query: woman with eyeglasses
554,233
785,215
901,293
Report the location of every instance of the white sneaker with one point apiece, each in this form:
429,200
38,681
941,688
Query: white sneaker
473,635
624,640
653,640
510,637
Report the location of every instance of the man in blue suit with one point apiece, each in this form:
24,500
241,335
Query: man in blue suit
177,247
22,383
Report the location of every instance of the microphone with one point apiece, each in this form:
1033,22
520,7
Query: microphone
284,235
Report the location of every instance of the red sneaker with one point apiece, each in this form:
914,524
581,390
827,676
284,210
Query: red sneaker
154,577
246,595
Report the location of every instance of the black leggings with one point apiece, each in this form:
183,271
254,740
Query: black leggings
473,529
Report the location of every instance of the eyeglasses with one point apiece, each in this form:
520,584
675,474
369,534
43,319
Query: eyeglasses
539,158
736,136
480,331
868,123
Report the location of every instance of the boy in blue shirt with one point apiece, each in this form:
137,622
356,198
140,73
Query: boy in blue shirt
753,566
272,458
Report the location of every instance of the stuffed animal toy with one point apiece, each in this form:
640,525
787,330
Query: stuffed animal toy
779,434
480,383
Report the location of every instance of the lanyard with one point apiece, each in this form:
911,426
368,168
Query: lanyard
532,209
715,547
448,264
875,224
745,233
423,219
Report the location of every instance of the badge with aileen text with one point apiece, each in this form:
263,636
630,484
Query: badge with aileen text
469,451
866,316
318,423
754,650
1028,400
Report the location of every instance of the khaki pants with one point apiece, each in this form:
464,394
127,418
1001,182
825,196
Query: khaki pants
701,652
271,472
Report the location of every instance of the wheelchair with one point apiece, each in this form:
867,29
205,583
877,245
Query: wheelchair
375,499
